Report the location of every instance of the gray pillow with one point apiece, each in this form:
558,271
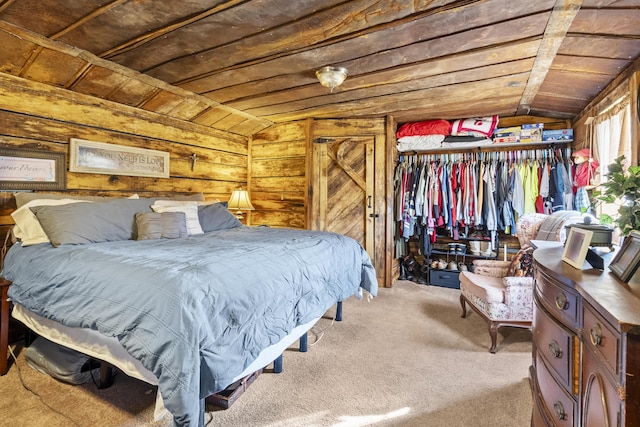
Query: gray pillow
81,223
161,225
216,217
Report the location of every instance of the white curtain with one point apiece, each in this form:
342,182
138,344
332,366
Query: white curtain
611,136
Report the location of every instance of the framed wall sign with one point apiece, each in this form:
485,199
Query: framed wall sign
626,261
576,246
24,169
111,159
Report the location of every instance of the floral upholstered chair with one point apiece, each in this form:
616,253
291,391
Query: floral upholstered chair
501,292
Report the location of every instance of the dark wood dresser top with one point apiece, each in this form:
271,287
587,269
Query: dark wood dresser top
619,302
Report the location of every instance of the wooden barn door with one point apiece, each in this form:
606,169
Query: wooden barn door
343,188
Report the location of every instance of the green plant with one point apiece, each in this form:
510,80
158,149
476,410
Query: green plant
623,188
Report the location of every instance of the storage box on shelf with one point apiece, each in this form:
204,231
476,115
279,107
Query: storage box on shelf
564,135
531,133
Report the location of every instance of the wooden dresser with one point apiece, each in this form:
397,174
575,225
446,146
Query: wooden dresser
586,345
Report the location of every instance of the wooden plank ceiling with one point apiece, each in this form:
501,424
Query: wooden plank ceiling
241,65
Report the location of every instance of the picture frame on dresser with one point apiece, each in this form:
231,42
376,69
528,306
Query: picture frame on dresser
626,261
576,247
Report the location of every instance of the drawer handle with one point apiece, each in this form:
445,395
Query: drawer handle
595,335
561,302
555,350
560,414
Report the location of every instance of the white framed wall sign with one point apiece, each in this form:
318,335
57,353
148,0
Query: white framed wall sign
111,159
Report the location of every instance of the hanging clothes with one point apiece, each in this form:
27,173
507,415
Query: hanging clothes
567,187
517,189
529,176
482,192
544,189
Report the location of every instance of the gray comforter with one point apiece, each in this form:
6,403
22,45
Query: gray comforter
194,311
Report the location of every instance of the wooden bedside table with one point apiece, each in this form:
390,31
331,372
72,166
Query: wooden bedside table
4,325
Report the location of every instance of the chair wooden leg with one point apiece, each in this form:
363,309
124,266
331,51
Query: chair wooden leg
493,331
464,306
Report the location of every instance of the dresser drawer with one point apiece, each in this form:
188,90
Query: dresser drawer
561,301
558,404
602,400
445,278
601,338
558,346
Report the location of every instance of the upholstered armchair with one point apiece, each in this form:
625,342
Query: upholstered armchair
501,292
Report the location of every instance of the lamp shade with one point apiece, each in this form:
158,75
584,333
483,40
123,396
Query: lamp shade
240,201
331,77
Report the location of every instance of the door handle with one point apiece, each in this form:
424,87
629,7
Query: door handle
374,215
369,202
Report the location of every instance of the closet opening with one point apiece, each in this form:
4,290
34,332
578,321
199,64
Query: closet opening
453,208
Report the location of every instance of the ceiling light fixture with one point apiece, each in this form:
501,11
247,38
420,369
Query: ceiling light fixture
331,77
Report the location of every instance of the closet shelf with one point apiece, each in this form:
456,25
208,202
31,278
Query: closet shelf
463,255
494,147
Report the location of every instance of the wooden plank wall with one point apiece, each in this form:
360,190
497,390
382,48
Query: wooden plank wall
43,117
277,181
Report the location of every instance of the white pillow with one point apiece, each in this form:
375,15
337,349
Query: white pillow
189,208
28,228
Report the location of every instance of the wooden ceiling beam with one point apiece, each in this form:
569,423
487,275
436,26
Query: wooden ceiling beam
43,44
147,37
4,4
561,18
99,11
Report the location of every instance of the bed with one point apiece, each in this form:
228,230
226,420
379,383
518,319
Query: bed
192,313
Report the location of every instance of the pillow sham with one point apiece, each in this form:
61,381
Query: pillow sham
27,228
165,225
190,209
216,217
81,223
479,126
